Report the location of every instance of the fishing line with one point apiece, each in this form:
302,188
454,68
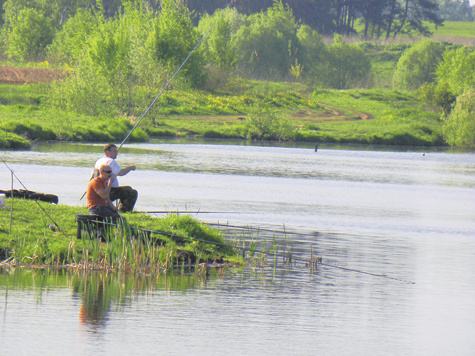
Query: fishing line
36,201
316,262
320,262
186,212
173,76
261,229
368,273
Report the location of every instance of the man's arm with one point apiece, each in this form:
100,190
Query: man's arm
126,170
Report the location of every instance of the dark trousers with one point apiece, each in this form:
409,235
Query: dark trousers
127,198
105,212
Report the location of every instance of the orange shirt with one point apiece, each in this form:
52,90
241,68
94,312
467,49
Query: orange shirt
93,199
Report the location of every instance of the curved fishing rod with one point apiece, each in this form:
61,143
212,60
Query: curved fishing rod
165,86
36,201
173,76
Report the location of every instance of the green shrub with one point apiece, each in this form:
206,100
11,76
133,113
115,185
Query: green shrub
459,126
418,65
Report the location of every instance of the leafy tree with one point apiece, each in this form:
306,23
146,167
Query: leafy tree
459,126
267,44
457,69
28,34
343,65
312,49
249,7
56,11
68,43
372,16
173,38
418,65
455,10
2,12
111,63
438,95
220,49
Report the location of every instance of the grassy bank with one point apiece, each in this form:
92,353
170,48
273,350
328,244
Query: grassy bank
375,116
28,236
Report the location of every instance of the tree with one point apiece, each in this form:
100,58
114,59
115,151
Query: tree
113,59
344,65
418,65
372,16
457,69
409,16
312,50
220,50
69,42
173,37
267,44
455,10
28,35
459,126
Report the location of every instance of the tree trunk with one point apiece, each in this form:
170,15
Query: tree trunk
403,21
391,18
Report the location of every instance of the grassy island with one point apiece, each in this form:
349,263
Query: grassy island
42,234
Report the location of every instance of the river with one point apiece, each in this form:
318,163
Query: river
395,230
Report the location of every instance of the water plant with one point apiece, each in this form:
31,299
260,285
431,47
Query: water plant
145,244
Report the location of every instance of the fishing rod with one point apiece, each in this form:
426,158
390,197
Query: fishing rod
36,201
185,212
173,76
167,84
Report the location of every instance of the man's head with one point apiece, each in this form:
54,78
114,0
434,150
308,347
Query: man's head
110,150
105,171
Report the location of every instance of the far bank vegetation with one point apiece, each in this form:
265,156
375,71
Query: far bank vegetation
267,64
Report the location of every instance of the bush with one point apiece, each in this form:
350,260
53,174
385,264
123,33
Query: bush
28,34
459,126
343,66
13,141
418,65
265,124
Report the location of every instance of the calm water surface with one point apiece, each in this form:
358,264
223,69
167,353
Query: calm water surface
396,231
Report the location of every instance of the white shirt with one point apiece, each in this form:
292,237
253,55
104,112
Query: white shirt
114,167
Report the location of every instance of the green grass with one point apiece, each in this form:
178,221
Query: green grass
454,29
397,118
26,237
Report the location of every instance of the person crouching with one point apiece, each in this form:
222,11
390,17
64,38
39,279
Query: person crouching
97,195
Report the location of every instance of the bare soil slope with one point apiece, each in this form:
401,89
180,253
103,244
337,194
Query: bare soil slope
17,75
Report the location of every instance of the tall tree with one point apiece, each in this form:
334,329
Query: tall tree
408,15
372,14
456,10
268,44
174,37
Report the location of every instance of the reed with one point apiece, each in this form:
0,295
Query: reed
172,239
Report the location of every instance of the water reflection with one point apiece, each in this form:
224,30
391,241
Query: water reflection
404,215
97,293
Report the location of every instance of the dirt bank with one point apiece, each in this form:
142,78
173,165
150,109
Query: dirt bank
16,75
